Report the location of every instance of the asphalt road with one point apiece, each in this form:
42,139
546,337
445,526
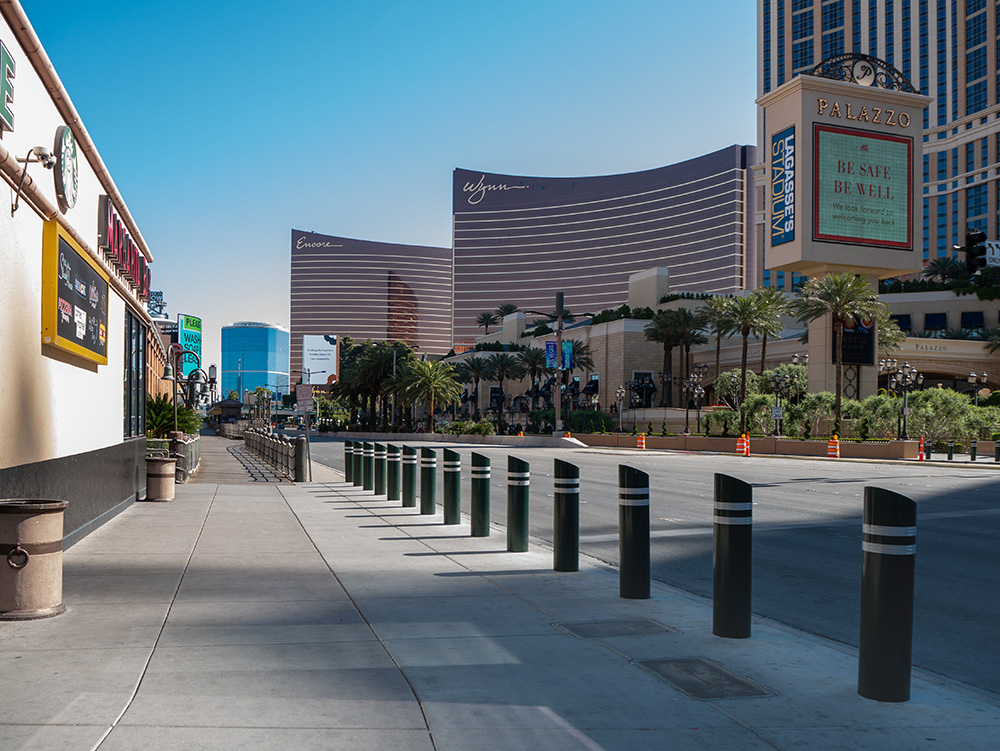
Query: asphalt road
807,537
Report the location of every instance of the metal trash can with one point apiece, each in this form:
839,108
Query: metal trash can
31,545
161,475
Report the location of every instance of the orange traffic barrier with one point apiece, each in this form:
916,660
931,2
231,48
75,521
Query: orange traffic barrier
746,445
920,456
567,435
833,448
741,448
520,434
641,441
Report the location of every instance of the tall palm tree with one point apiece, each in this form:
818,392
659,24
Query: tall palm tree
992,338
478,370
943,268
532,360
486,319
747,317
662,328
775,305
433,381
506,309
503,367
717,321
688,323
842,297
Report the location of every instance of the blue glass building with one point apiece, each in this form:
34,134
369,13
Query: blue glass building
948,51
254,354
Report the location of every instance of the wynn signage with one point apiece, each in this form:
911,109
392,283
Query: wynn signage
478,189
120,248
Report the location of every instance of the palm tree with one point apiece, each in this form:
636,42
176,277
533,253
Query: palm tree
662,328
716,314
890,337
689,323
532,361
506,309
943,268
503,366
775,305
747,316
992,338
842,297
486,319
477,370
433,381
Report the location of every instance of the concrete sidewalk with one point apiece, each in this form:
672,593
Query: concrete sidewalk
272,616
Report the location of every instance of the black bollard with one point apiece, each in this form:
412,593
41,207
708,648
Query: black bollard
301,459
888,544
973,448
368,466
566,517
409,477
349,461
633,533
518,487
732,557
358,462
452,487
380,460
392,474
951,450
428,481
479,499
996,451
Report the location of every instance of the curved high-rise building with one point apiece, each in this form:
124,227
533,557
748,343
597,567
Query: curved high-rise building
254,354
369,290
523,239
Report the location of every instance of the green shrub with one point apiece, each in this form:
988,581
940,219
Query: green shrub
470,427
589,421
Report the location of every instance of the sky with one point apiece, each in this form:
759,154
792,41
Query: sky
225,125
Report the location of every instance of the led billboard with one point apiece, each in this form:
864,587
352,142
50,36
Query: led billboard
320,356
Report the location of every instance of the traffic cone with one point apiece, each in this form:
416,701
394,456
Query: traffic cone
640,442
920,456
746,446
567,435
520,434
741,448
833,448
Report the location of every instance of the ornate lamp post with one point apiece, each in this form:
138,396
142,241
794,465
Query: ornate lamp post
905,379
619,395
977,382
197,376
693,390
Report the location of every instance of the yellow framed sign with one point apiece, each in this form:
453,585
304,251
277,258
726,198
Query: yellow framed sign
74,297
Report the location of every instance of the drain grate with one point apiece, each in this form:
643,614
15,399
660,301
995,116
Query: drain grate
702,679
603,629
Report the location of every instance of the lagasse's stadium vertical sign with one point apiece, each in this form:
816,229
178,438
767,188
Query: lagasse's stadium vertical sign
783,186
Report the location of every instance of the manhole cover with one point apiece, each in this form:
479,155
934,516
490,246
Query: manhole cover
602,629
702,679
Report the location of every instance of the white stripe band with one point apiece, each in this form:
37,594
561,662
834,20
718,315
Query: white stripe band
728,506
633,501
878,547
633,492
572,482
452,464
734,520
518,483
480,472
518,475
409,460
882,531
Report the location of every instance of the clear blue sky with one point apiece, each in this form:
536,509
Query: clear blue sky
227,124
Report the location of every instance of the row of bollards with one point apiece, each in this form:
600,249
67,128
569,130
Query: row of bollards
288,457
888,546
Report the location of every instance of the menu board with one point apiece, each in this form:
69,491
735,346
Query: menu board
74,299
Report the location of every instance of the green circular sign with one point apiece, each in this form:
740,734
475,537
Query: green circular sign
67,173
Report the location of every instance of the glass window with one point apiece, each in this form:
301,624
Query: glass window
134,382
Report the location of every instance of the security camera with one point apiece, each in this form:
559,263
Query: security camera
44,157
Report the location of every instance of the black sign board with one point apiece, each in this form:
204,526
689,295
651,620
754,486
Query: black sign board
859,343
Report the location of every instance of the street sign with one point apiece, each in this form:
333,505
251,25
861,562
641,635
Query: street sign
304,397
775,413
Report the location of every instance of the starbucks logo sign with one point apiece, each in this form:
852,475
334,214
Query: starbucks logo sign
67,172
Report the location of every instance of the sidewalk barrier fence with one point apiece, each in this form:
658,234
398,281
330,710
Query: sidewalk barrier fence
633,533
566,517
392,474
732,557
359,460
380,462
409,466
31,541
368,466
518,487
349,461
452,487
888,544
428,481
479,499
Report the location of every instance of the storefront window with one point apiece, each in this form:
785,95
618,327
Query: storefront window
134,390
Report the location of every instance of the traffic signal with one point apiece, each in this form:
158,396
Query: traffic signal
975,251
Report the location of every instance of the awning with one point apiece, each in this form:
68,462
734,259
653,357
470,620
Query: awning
903,321
935,321
973,319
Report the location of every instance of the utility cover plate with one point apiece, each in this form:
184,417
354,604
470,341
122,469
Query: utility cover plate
603,629
702,679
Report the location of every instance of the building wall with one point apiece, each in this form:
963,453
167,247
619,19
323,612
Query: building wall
254,354
369,290
523,239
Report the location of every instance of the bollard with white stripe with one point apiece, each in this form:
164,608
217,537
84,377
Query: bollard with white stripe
368,466
888,544
358,462
566,517
633,533
392,473
732,557
518,486
380,460
452,487
409,467
428,481
973,449
349,461
479,500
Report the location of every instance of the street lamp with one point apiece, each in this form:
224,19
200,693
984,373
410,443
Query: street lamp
905,379
693,390
174,354
619,395
976,382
